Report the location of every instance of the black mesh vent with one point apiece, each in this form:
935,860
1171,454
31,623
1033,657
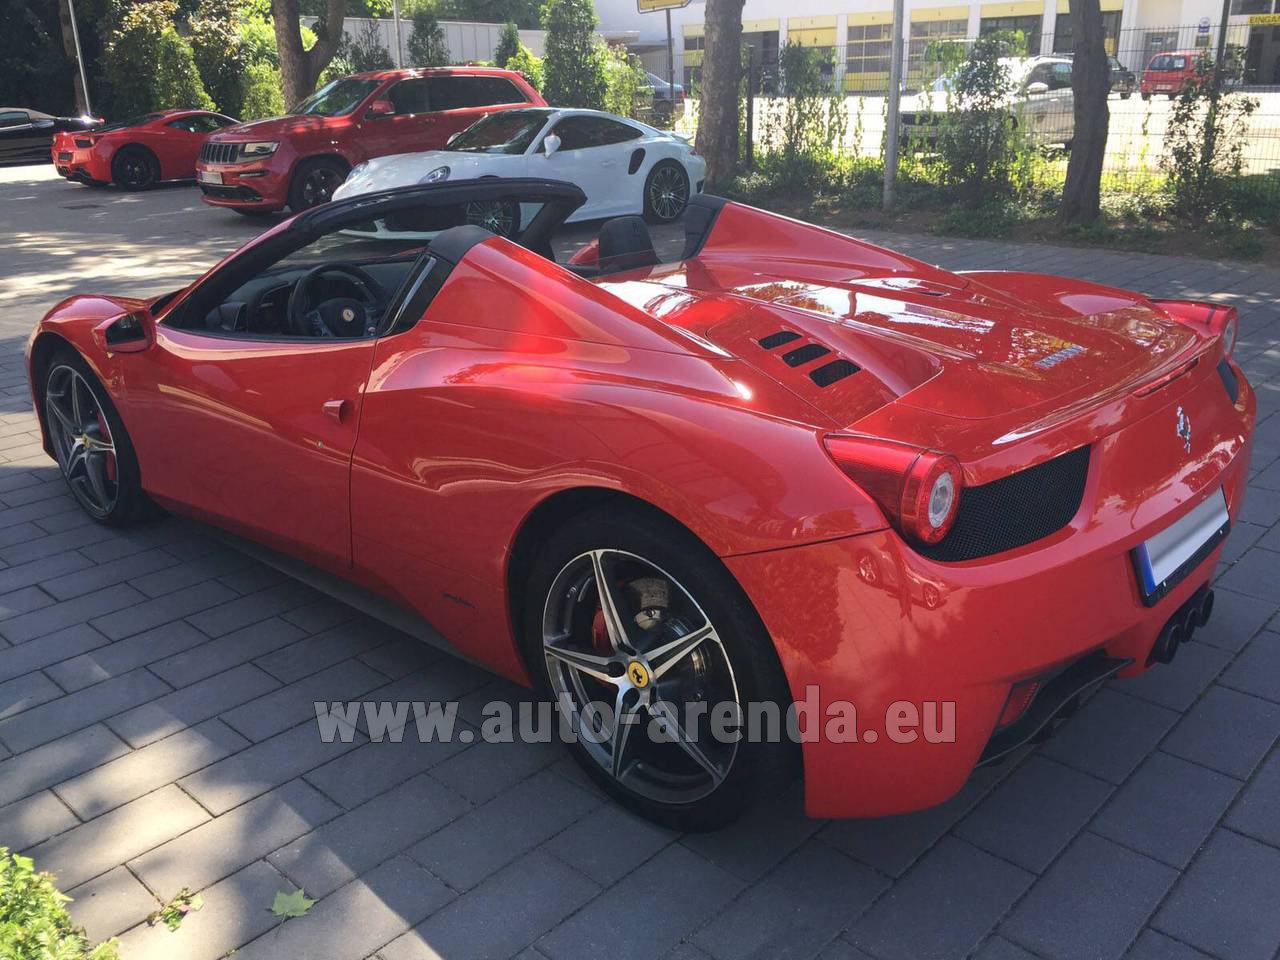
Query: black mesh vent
1229,380
810,351
829,373
1015,510
778,339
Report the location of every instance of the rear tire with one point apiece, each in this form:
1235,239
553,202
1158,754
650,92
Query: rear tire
666,585
314,182
135,168
91,444
666,192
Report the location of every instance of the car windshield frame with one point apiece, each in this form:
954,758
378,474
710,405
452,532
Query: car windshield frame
514,145
310,106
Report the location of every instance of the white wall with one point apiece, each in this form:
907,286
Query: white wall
467,40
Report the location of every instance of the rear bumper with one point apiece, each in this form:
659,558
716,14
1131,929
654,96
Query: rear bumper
82,165
868,621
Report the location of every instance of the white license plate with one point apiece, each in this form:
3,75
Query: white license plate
1170,555
210,176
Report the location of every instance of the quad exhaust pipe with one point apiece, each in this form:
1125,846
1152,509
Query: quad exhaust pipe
1182,625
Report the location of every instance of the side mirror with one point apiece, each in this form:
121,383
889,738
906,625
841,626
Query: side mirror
132,333
1037,88
550,143
380,108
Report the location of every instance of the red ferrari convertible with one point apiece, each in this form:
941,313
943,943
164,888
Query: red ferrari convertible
788,470
139,152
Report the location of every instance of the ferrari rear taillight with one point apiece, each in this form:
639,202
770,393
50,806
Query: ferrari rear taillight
1213,319
919,490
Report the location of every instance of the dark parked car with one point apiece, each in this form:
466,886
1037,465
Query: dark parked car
662,90
1123,81
26,135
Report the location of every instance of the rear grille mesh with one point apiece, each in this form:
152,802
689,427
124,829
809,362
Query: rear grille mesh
810,351
220,152
778,339
1015,510
83,143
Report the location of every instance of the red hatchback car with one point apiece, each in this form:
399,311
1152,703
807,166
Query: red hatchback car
138,152
298,160
1168,73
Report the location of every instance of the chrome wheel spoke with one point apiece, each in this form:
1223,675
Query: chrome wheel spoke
663,658
609,605
625,717
82,442
592,665
95,469
671,727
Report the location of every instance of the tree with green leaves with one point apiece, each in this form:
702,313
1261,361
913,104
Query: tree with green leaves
427,44
301,67
508,44
143,34
219,53
574,66
177,81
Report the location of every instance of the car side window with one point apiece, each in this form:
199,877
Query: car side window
1061,77
206,123
576,133
1041,74
14,118
414,95
457,93
613,132
185,123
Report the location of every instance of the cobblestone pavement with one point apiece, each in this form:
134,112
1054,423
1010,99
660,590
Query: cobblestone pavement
157,731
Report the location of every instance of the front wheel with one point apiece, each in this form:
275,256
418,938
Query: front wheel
314,182
666,192
642,637
91,444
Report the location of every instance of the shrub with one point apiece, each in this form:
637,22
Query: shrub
801,138
34,924
177,81
258,41
219,53
530,64
366,51
148,66
574,69
427,46
627,91
508,44
263,93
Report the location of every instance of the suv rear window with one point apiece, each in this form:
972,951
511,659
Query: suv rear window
456,93
1168,63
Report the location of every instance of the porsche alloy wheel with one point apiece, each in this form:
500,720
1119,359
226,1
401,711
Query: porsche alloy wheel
90,444
652,654
496,216
666,192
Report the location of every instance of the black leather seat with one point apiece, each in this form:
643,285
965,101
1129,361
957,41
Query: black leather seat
625,244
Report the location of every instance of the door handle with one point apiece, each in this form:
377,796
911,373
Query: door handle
336,409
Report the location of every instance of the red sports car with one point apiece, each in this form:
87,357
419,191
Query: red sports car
788,470
140,152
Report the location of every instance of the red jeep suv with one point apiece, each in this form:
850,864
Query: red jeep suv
299,159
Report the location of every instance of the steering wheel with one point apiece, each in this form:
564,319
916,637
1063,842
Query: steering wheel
340,317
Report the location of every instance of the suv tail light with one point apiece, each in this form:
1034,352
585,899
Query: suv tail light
919,490
1212,319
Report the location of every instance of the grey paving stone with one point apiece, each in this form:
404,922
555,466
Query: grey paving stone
998,948
1226,731
340,850
234,913
1257,812
240,612
29,772
23,693
1116,889
50,544
242,776
476,925
69,613
326,648
1236,618
136,774
760,840
226,652
485,769
796,909
480,842
677,884
1153,945
158,610
187,573
127,543
190,705
250,576
75,710
1228,903
1254,575
320,614
81,582
125,655
401,657
1110,735
1179,684
110,904
937,910
1032,816
226,844
1257,670
26,822
353,921
23,600
16,661
1167,809
1243,536
608,843
372,768
38,571
93,848
289,705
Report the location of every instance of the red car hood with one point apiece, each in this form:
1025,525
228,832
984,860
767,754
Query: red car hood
273,127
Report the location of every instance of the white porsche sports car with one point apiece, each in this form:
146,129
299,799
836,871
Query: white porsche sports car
623,166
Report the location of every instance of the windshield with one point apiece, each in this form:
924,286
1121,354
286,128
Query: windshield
336,97
131,122
511,131
1169,63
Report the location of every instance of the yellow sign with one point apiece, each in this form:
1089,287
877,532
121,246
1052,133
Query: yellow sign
650,6
1255,20
637,674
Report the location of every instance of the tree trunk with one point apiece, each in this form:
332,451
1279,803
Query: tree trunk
1090,82
299,69
69,45
721,70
